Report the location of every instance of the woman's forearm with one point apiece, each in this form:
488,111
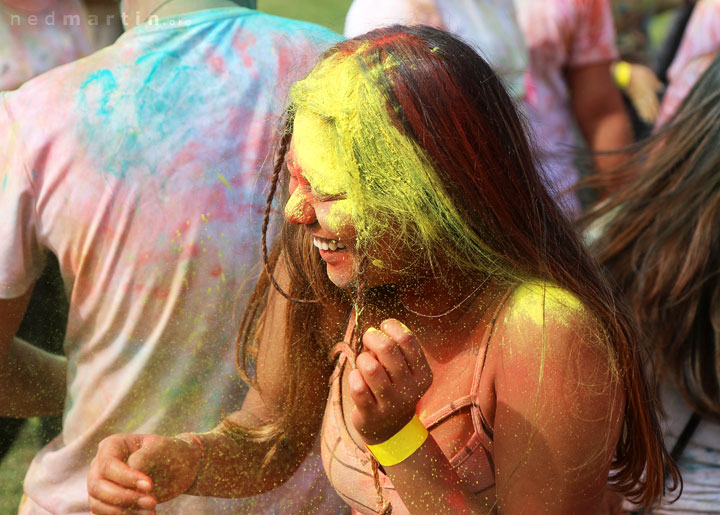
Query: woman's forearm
234,464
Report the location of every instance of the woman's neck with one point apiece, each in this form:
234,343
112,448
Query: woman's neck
441,312
440,297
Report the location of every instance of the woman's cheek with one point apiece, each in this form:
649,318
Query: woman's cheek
337,216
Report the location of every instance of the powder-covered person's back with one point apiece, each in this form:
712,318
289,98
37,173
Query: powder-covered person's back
142,168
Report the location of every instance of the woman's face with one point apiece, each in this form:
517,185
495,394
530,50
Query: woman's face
324,196
327,217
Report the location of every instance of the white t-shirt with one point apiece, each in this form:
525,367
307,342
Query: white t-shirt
143,169
558,34
33,41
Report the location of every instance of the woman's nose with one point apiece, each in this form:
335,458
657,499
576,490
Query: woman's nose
299,209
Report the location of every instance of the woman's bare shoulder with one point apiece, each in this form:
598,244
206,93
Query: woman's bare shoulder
537,307
542,323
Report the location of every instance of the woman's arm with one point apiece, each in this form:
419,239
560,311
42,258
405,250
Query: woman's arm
559,405
556,423
391,377
132,471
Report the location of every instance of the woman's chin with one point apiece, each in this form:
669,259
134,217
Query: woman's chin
341,278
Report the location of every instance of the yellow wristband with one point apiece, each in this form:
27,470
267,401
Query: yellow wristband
622,72
401,445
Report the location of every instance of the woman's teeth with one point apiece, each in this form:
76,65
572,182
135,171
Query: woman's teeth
328,244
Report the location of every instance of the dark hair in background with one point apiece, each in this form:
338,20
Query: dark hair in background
454,106
661,243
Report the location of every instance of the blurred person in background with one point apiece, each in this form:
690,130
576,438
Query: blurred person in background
659,241
33,40
699,45
141,168
565,49
105,22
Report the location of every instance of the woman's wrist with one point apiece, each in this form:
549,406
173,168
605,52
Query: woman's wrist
196,450
401,445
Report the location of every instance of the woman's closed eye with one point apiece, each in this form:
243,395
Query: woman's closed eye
329,197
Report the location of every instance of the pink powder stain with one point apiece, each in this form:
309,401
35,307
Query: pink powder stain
193,250
218,200
216,62
161,293
187,154
283,61
216,271
530,89
242,46
238,119
144,258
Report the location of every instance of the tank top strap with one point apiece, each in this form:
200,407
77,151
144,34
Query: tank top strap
479,421
447,411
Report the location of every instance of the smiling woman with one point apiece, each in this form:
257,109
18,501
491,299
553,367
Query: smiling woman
482,366
425,150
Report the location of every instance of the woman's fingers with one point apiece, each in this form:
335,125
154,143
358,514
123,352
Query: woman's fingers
388,354
374,375
408,344
110,462
360,392
106,495
113,486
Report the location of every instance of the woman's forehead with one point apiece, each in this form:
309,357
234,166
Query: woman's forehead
317,153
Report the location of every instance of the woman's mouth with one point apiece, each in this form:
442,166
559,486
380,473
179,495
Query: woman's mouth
328,245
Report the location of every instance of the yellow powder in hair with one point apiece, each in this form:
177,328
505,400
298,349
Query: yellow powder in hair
347,140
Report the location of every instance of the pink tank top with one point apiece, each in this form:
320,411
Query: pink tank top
348,466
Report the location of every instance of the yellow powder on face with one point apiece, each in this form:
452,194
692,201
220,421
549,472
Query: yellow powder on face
342,212
318,152
346,143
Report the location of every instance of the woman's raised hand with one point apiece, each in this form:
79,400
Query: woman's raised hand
392,375
133,473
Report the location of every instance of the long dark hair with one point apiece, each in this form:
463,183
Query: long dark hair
661,242
453,108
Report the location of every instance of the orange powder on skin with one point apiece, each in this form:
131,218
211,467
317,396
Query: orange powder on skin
299,206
